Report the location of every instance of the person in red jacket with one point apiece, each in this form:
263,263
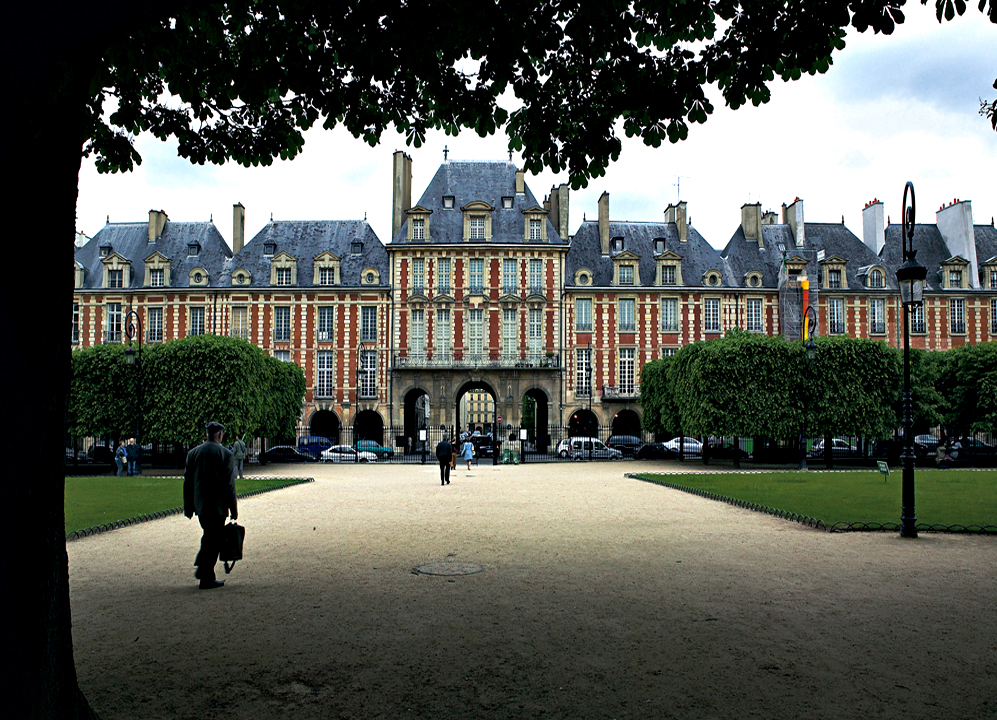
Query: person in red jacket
209,493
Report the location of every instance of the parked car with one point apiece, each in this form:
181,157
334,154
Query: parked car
285,454
563,448
584,448
839,448
924,444
692,446
314,444
484,445
626,444
726,451
376,448
974,451
344,453
655,451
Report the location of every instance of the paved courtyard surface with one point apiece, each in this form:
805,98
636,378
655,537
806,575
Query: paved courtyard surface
597,597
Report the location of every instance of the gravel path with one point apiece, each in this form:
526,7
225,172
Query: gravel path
598,597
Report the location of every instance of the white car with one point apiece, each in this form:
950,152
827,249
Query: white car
583,448
692,446
344,453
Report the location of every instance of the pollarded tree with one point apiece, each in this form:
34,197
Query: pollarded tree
240,80
102,393
966,381
657,398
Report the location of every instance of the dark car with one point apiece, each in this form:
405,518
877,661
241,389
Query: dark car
626,444
484,445
726,451
655,451
285,454
976,451
314,444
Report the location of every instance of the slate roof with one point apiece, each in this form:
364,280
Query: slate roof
986,243
698,256
304,239
467,181
836,240
131,241
931,252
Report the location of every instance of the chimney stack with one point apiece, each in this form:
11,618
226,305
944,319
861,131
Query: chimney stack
955,223
677,214
558,208
604,223
238,227
520,182
792,215
873,229
401,189
751,222
157,223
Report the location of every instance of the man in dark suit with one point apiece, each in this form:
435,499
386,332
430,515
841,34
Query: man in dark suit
444,453
209,492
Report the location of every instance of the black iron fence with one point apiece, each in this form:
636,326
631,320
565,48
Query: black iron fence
552,444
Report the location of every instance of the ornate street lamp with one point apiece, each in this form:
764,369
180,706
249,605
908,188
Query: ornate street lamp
809,330
910,277
133,329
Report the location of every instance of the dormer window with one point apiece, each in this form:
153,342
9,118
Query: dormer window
240,278
753,279
327,276
105,250
115,278
659,246
626,274
507,203
356,247
477,228
282,276
419,229
955,278
534,228
193,249
448,202
877,279
269,249
713,279
834,279
617,244
157,277
668,275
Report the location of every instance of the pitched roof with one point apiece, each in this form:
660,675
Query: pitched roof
698,256
131,241
931,252
468,182
305,239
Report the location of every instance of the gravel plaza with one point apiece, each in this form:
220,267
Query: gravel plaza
531,591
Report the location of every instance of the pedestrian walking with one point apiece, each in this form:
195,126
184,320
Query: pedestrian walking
467,452
133,453
121,458
445,454
239,450
209,493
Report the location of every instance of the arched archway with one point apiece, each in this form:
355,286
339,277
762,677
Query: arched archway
417,407
368,425
535,418
479,411
325,423
627,422
583,423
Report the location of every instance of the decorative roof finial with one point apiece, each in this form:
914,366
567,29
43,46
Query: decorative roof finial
510,156
445,151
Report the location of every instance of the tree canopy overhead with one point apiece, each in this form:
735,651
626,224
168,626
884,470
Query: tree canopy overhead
243,79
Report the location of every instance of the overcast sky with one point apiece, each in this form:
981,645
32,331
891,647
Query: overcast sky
890,109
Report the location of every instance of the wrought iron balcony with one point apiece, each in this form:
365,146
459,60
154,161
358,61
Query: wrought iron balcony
625,392
487,359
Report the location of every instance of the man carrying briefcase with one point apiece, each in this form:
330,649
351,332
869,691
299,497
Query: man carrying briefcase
209,492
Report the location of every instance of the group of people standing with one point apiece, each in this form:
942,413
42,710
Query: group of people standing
127,456
447,453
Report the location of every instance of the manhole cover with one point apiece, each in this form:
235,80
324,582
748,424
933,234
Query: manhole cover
448,568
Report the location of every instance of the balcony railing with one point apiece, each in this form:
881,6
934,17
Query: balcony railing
621,392
545,360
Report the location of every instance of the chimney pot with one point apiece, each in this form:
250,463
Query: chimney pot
604,223
238,227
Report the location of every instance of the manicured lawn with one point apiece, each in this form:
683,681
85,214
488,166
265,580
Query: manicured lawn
948,497
91,501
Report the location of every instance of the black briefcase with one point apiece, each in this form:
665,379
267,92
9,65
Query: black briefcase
232,538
